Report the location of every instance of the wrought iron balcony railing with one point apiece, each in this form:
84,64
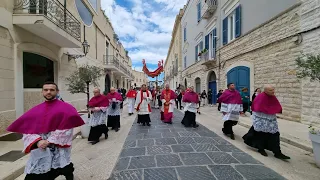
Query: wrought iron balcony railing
54,11
205,56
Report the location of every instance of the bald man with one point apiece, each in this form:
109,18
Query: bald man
98,105
264,132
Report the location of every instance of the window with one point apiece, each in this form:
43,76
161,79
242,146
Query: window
231,26
36,70
94,4
198,49
140,80
107,48
185,34
212,42
84,13
185,62
199,11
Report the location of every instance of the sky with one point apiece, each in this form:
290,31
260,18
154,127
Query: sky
144,27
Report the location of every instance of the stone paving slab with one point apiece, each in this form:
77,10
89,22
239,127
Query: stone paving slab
173,152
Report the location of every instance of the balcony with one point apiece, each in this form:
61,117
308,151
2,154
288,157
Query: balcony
210,62
209,7
48,19
112,63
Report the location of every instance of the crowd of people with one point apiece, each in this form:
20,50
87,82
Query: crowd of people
48,127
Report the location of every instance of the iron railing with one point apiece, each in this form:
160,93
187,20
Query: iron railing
54,11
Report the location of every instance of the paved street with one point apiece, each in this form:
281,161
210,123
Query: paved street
172,152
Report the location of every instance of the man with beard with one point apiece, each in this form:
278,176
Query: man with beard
47,135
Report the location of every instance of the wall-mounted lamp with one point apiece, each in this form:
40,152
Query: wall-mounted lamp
86,48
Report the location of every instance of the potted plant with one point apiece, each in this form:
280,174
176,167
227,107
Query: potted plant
314,135
308,66
79,82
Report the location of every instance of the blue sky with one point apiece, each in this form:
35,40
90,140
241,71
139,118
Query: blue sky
144,27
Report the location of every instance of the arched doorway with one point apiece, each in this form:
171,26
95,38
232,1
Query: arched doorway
212,84
107,84
240,76
185,83
198,85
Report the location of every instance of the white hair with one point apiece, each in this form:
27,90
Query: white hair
267,86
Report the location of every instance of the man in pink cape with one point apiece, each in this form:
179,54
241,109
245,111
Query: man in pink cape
47,135
191,100
231,107
98,105
264,133
115,100
168,102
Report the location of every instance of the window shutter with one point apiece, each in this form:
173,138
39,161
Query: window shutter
206,42
225,31
185,34
238,22
214,42
196,51
185,62
199,11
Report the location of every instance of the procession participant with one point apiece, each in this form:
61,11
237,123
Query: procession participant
191,100
131,95
115,100
231,107
47,135
168,99
98,106
142,105
264,132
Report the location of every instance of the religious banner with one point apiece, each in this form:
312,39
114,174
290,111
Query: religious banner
155,73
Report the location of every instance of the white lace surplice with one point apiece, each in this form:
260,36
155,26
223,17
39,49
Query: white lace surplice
53,157
99,117
232,110
265,122
192,107
116,111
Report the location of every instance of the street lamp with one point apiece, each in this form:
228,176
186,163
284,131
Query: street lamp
86,48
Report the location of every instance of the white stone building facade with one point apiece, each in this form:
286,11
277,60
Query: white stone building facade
173,64
251,55
37,44
139,79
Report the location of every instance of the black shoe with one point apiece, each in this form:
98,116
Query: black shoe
281,156
263,152
106,136
169,122
94,142
232,136
195,126
148,124
116,129
143,124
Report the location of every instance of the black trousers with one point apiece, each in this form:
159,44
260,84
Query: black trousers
66,171
245,107
227,126
219,107
178,103
114,122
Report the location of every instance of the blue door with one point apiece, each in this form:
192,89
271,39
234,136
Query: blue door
240,76
213,87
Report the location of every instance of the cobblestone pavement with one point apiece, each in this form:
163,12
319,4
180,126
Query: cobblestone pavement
172,152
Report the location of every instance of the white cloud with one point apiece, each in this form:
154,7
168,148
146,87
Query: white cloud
137,26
